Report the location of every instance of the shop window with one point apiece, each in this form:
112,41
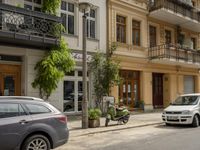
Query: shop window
69,96
73,92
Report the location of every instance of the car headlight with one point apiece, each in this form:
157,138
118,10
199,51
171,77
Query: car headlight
186,112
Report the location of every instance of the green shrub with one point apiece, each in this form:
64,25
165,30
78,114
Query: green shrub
94,113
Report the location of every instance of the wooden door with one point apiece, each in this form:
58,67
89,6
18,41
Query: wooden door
157,90
10,80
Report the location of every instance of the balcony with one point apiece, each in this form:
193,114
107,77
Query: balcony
174,55
23,27
177,13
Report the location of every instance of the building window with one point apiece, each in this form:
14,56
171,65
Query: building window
136,32
34,5
168,37
121,29
91,24
193,40
152,36
67,15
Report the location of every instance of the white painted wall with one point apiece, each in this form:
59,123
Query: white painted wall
75,42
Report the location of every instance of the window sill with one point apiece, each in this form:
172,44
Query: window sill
70,35
93,39
130,47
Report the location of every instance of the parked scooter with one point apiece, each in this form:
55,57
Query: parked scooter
115,113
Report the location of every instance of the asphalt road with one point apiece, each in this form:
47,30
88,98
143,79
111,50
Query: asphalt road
159,137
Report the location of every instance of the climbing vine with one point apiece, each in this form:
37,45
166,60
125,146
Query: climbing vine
51,6
52,68
58,61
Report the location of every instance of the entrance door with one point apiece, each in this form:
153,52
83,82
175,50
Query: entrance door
157,90
129,89
10,80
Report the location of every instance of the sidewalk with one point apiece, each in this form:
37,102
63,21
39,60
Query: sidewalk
137,120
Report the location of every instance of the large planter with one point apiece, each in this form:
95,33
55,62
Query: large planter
94,123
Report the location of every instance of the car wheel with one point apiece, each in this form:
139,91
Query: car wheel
195,122
36,142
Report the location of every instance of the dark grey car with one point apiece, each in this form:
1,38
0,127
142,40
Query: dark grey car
28,123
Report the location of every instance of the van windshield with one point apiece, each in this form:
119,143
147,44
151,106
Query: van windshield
186,100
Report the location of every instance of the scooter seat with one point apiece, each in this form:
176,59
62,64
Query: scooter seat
120,108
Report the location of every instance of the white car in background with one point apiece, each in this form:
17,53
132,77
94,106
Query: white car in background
184,110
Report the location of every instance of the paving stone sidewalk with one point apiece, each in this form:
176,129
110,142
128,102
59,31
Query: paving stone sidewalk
136,120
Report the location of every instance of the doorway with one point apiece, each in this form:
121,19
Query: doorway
10,80
129,88
158,90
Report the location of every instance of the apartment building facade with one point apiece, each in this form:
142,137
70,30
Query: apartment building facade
158,43
25,37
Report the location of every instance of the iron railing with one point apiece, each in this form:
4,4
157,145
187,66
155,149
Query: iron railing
25,24
174,52
177,7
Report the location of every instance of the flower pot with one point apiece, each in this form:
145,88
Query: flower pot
94,123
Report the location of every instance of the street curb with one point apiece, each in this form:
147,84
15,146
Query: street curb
119,129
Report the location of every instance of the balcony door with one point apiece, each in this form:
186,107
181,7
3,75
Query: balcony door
152,36
10,80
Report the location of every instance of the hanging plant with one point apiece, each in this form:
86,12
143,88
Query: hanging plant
51,6
52,68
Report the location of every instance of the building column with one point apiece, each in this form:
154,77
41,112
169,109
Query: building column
115,93
173,83
146,90
197,84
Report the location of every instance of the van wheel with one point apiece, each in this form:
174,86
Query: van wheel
37,141
195,122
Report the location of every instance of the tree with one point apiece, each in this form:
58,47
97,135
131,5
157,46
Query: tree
52,68
105,73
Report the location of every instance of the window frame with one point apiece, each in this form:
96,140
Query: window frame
136,29
154,43
68,13
123,26
194,41
168,37
89,20
33,4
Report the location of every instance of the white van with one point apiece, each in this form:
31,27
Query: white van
184,110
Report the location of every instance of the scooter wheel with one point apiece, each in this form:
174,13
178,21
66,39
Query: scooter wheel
106,123
125,121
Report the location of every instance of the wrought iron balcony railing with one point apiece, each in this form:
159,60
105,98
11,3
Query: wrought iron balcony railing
174,53
36,28
176,6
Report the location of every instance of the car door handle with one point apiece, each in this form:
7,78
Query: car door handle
23,122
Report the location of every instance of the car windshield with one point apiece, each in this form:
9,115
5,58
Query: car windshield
186,100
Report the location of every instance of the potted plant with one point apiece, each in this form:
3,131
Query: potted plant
94,115
141,104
